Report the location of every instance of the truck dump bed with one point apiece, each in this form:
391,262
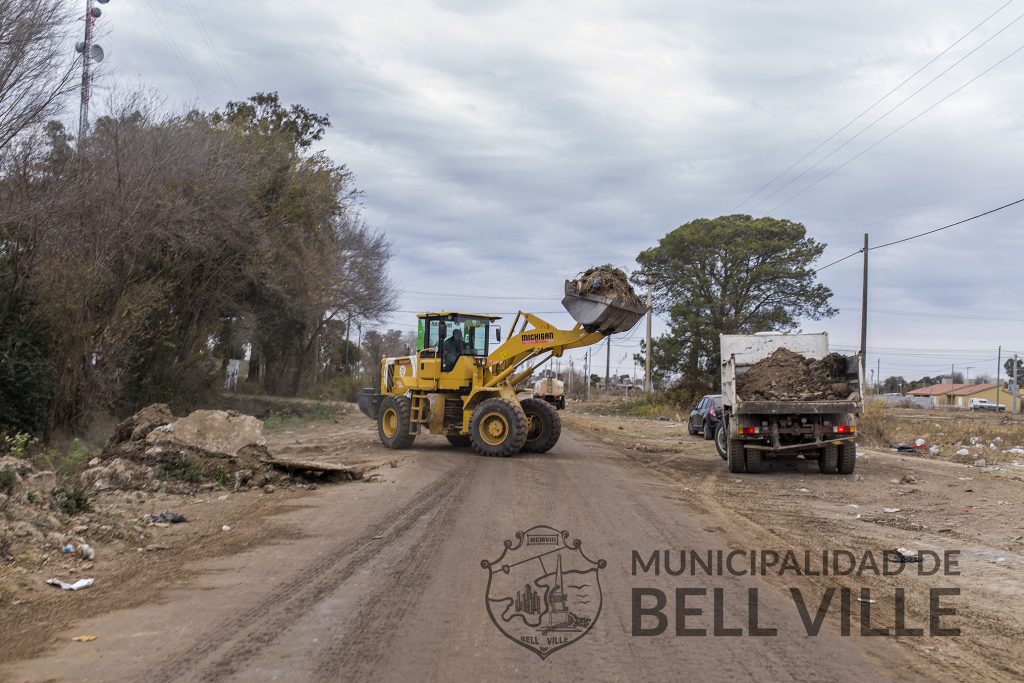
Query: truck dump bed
741,351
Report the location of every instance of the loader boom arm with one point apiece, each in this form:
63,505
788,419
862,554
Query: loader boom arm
531,337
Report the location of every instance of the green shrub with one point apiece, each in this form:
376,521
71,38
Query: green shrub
71,498
181,469
8,479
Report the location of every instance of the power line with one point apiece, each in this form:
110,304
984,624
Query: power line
893,132
886,114
177,52
213,48
875,104
929,232
951,225
480,296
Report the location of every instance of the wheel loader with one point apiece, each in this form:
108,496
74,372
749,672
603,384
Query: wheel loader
458,386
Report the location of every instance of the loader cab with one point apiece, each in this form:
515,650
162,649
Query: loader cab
452,336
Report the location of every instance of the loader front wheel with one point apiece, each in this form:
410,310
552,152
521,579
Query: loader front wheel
498,428
394,421
543,426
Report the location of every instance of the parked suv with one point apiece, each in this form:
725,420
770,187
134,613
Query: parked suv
705,416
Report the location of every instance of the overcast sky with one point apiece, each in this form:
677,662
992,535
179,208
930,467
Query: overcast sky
504,146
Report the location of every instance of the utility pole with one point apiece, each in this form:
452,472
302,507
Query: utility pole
648,382
1016,387
608,369
879,375
999,368
952,380
568,391
90,53
864,312
586,372
967,377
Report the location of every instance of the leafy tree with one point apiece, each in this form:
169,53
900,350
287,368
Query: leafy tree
733,275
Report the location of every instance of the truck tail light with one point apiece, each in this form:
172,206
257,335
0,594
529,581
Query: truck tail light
845,429
750,430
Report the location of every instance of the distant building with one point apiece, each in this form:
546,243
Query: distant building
940,394
959,395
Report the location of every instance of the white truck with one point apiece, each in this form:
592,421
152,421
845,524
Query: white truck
752,430
551,390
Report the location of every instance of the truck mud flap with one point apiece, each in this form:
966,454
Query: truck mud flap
369,403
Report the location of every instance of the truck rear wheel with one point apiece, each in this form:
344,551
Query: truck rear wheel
393,422
847,457
459,440
734,455
498,428
753,461
828,461
543,426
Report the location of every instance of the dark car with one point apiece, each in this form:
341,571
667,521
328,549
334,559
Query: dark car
705,416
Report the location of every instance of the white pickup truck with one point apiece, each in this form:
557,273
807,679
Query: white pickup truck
752,429
985,404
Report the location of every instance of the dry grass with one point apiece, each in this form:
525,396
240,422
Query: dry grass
984,436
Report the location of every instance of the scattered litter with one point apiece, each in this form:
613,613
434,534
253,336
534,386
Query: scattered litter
68,549
803,490
903,555
377,538
934,450
224,497
86,551
867,601
974,441
919,442
225,528
167,518
890,509
84,639
853,505
980,463
963,451
966,478
77,585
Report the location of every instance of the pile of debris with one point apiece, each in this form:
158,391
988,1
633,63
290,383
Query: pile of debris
788,376
607,281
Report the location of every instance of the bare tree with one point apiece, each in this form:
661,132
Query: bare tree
37,63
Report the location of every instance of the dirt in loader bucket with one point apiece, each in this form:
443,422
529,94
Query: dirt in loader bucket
601,299
787,376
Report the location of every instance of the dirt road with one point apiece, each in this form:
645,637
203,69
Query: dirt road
383,581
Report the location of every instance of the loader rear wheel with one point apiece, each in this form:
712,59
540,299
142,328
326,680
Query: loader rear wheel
393,422
828,461
498,428
734,454
847,457
543,426
459,440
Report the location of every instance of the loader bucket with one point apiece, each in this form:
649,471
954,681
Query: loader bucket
599,313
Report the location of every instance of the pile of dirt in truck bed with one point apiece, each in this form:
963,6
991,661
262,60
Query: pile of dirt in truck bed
788,376
607,281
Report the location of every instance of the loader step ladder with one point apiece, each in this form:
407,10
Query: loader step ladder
419,412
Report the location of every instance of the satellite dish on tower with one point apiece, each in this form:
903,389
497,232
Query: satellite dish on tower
96,12
80,47
103,2
96,53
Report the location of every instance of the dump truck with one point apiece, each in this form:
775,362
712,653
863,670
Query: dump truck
762,422
464,382
551,390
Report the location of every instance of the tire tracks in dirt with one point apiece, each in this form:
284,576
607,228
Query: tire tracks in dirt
217,652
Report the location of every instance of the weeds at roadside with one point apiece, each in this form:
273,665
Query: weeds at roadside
71,498
289,419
